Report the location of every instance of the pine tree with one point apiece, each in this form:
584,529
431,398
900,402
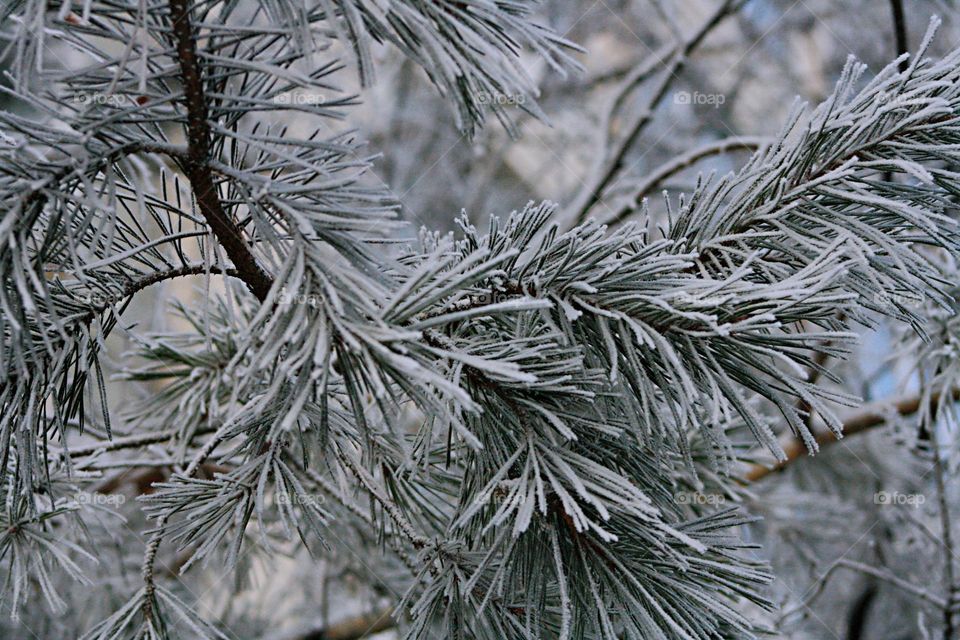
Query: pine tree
501,420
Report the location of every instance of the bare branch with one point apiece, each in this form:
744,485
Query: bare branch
886,576
681,162
593,191
864,421
350,629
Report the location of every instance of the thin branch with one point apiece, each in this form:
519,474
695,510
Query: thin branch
351,629
886,576
684,161
903,46
634,78
153,545
329,489
127,442
900,32
868,419
149,279
325,486
900,583
94,465
404,526
946,530
593,193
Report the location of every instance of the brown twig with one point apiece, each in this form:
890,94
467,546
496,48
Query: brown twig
196,165
868,419
351,629
197,168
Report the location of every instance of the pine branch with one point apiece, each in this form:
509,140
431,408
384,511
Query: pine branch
403,525
149,605
197,167
561,384
149,279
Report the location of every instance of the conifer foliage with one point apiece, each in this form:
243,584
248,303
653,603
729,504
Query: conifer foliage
503,417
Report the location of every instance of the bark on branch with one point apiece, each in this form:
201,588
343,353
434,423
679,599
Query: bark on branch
350,629
869,418
196,166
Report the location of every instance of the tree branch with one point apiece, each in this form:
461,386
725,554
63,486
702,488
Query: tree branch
946,530
351,629
868,419
886,576
153,545
593,193
403,525
900,32
135,286
196,165
681,162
